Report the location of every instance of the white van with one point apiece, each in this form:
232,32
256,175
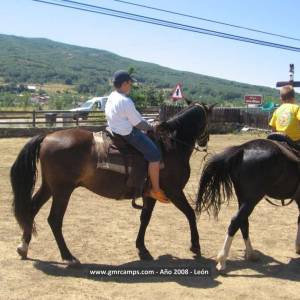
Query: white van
96,103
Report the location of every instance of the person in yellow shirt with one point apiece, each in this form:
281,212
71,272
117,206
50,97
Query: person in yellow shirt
286,118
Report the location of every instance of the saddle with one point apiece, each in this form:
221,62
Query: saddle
292,150
116,155
287,145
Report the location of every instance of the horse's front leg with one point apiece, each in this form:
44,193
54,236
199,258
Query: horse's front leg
180,201
296,197
298,237
297,242
146,214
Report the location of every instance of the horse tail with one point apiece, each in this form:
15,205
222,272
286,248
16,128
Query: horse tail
23,177
215,185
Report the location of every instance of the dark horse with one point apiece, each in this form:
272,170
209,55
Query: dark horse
254,169
68,160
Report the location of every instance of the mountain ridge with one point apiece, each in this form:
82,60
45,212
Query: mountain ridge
40,60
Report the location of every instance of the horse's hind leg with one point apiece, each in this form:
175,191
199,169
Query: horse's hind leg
59,205
250,254
146,214
244,212
38,200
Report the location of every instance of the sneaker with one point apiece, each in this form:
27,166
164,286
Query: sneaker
160,196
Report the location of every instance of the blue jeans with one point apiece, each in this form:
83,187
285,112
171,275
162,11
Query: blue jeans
144,144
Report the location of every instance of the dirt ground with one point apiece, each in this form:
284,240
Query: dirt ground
104,236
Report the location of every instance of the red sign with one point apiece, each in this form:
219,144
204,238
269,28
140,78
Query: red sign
177,92
253,99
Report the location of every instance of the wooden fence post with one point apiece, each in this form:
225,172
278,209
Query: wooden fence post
33,118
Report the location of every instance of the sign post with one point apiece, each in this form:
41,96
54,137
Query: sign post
252,99
291,81
177,93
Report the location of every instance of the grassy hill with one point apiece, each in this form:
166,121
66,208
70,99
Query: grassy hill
86,70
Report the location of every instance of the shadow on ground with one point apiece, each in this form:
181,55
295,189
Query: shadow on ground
266,266
165,261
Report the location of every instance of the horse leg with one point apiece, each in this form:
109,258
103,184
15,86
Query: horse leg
250,254
180,201
298,236
55,220
38,200
297,243
236,223
145,217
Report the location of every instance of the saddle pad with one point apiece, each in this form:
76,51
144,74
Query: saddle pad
103,144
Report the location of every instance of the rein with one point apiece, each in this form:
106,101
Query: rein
202,136
282,202
197,148
165,135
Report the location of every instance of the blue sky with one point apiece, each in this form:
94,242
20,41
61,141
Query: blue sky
177,49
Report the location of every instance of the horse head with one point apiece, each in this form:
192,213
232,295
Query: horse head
187,127
203,137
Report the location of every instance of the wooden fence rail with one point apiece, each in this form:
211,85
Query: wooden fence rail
53,118
59,118
251,117
62,118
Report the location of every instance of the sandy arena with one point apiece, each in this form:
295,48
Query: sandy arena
104,236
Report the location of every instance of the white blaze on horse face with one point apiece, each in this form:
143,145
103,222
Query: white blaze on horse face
223,254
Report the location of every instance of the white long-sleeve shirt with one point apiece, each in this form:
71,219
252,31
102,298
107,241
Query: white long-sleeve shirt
121,113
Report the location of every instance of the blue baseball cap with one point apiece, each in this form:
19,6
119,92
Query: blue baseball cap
121,76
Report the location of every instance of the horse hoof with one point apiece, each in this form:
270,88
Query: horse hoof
221,267
221,262
196,250
22,250
72,263
145,255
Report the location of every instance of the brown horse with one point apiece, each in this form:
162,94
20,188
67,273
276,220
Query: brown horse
68,160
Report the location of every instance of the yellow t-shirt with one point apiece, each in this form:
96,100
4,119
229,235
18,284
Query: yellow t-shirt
286,119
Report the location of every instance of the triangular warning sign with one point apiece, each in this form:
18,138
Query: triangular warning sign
177,92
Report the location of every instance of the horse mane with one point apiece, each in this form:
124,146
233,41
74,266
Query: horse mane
191,113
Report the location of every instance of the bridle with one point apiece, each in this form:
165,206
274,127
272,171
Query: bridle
203,137
195,147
